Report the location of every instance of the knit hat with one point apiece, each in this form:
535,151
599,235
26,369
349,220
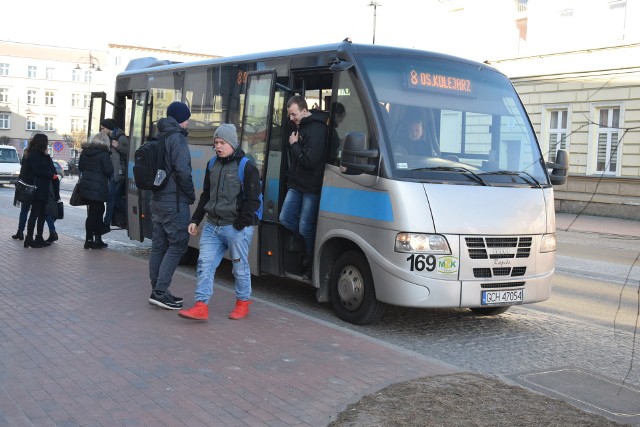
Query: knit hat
108,123
179,111
227,131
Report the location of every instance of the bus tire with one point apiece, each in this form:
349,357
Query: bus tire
490,311
351,290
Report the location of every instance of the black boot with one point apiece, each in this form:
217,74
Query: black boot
30,243
99,244
88,243
40,240
18,236
53,236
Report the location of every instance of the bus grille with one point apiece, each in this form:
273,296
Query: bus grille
483,273
498,247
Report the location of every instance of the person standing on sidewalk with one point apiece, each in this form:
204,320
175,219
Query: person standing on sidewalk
170,207
307,148
95,169
230,207
118,150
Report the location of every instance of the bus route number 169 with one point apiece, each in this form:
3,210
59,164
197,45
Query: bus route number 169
422,262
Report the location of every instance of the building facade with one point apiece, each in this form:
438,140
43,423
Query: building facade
47,89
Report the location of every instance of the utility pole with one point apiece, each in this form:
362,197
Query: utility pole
375,5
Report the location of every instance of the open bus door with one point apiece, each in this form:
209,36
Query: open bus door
97,107
138,201
262,133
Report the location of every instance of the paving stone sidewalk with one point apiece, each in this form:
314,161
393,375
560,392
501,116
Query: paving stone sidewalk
80,345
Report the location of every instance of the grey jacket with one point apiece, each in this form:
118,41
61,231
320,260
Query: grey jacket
178,159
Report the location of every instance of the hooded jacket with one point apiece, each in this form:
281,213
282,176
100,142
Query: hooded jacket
37,170
308,154
178,161
95,168
223,198
119,154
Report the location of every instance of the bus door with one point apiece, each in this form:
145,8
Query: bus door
138,201
260,138
97,107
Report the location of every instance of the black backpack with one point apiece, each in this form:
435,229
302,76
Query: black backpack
149,169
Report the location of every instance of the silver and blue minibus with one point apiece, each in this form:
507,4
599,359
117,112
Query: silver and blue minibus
461,216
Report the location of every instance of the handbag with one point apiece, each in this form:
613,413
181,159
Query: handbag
76,199
60,214
24,193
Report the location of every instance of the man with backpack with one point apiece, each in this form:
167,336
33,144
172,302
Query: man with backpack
231,200
170,206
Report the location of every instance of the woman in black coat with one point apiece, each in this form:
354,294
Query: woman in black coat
36,170
95,169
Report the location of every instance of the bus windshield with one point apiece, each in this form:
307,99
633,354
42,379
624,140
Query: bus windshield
450,121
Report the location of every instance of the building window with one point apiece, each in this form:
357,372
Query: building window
608,139
48,97
75,99
31,123
4,94
87,76
76,75
4,69
76,125
48,124
557,132
5,122
32,71
31,97
50,73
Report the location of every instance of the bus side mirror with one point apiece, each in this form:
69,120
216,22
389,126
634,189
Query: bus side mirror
355,155
559,168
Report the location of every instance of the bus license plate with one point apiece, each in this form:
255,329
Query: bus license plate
502,297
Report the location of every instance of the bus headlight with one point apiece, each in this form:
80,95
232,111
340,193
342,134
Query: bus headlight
426,243
548,243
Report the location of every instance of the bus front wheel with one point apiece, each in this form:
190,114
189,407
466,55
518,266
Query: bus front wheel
351,290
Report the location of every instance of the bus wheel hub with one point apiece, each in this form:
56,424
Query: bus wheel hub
350,288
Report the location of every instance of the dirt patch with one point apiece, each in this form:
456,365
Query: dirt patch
463,400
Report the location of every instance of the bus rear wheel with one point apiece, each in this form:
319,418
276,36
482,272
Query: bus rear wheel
490,311
351,290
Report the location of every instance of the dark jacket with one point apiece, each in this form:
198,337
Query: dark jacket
36,170
119,154
223,199
95,169
178,161
308,154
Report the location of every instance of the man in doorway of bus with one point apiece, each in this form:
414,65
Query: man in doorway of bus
170,207
118,150
307,148
230,207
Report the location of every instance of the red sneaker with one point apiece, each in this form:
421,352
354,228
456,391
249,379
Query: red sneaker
241,310
200,311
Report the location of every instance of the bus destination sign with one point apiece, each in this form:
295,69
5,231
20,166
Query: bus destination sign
431,81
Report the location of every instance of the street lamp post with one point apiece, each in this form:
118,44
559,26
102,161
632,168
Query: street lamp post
375,5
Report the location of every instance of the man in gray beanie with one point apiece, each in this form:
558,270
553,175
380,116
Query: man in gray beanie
170,207
230,207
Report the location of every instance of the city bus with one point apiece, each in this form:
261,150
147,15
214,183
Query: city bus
469,224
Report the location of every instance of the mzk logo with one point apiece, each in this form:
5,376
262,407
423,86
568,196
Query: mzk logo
448,264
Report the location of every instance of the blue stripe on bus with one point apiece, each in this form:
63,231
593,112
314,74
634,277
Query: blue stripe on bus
359,203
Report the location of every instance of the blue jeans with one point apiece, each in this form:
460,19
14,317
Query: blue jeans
115,199
300,214
214,242
24,213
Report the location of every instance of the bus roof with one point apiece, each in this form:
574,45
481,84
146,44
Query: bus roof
145,64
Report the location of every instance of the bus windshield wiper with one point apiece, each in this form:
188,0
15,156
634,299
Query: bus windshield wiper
531,180
475,177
